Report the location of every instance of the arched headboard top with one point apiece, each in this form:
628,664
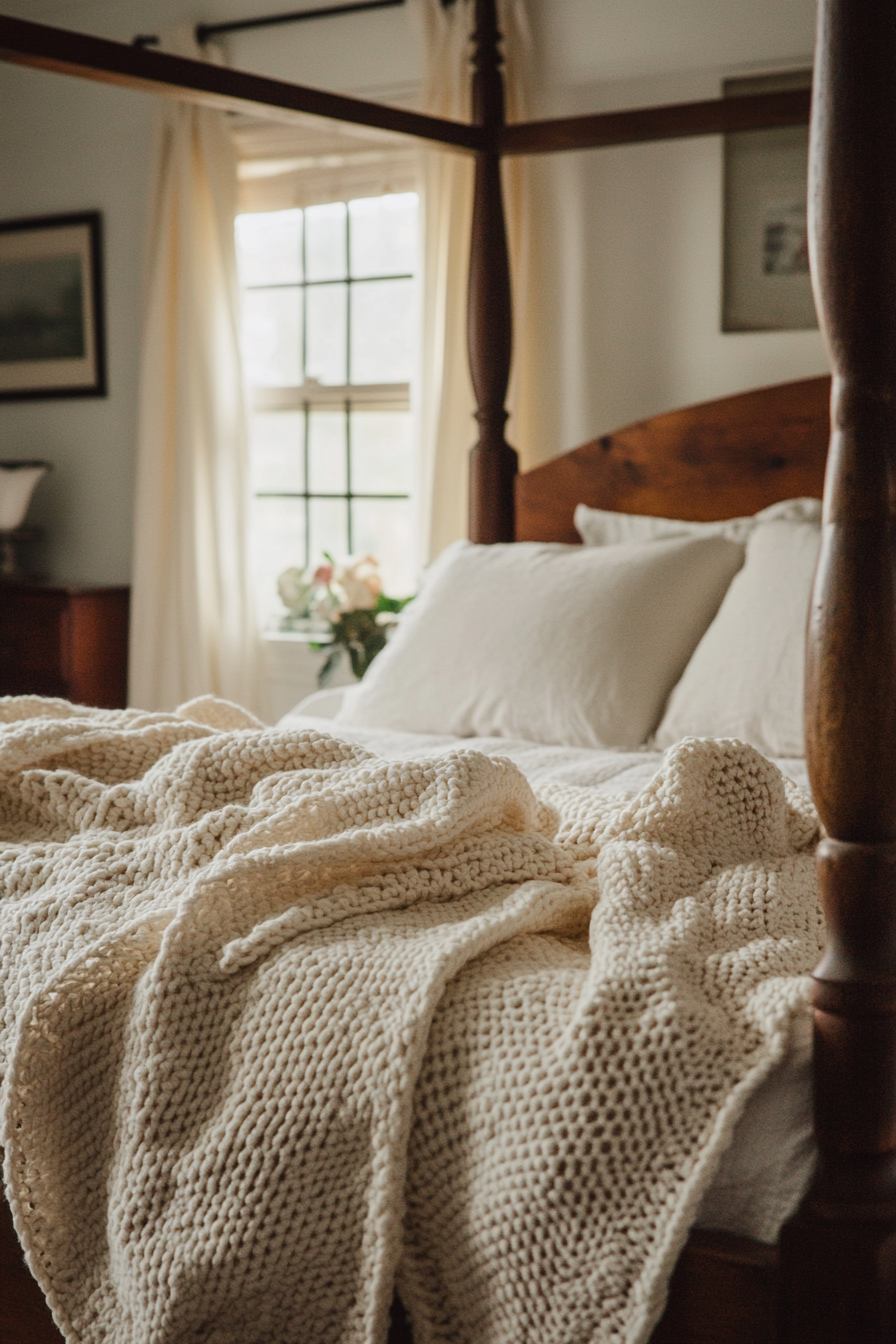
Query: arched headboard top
720,459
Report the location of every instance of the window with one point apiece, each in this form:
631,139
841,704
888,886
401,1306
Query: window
329,316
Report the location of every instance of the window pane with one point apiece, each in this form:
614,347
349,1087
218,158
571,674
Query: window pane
325,255
275,451
272,337
269,248
382,528
381,452
326,452
278,542
326,318
382,331
329,528
384,235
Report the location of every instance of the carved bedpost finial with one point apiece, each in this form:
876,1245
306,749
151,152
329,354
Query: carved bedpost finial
493,463
839,1252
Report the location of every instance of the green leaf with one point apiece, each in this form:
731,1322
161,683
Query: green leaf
393,604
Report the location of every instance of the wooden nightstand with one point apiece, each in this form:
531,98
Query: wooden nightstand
71,642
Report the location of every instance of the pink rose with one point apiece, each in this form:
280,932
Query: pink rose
359,582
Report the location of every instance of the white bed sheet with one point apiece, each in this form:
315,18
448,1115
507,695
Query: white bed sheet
770,1162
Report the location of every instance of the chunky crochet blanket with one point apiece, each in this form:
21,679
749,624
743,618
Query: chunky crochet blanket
282,1021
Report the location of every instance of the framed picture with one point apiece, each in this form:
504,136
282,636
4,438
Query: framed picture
767,286
51,308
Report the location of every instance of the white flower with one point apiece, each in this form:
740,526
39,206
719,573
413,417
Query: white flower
358,584
295,591
325,604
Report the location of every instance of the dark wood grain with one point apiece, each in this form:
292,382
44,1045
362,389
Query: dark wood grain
493,463
58,49
24,1315
839,1254
724,1291
95,647
715,116
69,642
719,459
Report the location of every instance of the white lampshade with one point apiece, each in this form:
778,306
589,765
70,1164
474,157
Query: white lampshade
17,481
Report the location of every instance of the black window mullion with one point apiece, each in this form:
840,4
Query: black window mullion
316,284
324,494
307,424
304,316
348,477
348,295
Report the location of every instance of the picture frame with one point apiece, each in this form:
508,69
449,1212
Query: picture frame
766,280
52,328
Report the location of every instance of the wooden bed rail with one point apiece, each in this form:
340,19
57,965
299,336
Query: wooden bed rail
839,1253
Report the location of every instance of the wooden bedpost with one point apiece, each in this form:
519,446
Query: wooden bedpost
839,1253
493,462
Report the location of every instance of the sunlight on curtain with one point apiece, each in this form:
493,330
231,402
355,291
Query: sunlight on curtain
446,404
192,626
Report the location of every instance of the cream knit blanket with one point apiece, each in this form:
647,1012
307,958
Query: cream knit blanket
280,1019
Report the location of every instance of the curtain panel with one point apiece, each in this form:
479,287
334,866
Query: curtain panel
193,630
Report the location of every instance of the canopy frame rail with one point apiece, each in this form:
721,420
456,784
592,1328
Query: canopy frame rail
66,52
59,50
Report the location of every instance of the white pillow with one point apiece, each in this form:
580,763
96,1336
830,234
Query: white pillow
603,527
550,643
746,677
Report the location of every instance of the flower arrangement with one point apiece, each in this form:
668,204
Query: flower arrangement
343,600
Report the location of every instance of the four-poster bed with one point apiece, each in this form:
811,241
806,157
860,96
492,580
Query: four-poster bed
833,1280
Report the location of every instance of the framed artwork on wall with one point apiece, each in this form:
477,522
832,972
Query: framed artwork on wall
52,339
766,284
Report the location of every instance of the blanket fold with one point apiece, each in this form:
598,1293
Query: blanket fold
281,1020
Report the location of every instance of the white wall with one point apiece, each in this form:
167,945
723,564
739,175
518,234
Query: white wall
69,145
630,238
581,43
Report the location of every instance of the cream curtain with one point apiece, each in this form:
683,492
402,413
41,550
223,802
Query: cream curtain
192,625
446,404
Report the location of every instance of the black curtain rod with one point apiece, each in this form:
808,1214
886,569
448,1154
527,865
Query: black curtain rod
206,30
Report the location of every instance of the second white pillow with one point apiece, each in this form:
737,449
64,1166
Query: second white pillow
746,676
604,527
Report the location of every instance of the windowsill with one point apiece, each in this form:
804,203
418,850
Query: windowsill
300,631
296,637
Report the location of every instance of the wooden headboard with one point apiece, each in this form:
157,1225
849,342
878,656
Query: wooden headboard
720,459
